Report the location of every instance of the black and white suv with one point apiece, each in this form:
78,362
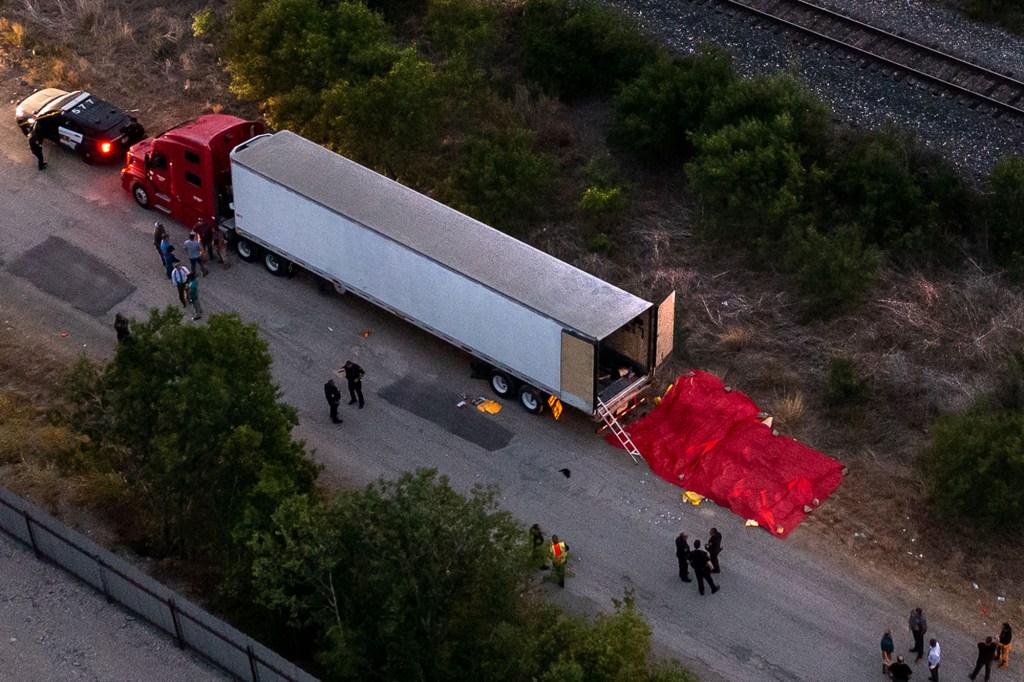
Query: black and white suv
96,130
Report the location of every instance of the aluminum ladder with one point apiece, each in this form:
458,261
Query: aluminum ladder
620,434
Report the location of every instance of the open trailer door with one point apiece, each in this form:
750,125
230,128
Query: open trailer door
665,324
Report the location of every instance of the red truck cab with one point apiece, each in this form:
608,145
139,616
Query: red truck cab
185,173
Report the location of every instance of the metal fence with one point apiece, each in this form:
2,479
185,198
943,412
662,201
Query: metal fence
190,626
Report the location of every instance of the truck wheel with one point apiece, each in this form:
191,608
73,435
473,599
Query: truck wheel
503,384
276,265
141,195
531,399
247,251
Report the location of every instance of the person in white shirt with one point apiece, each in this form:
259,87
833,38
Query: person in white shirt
934,658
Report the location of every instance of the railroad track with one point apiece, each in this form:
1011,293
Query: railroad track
979,87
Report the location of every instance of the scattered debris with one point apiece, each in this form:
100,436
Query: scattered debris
565,472
364,334
751,523
693,498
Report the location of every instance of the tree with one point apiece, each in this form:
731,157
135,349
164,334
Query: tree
656,113
467,27
286,53
190,417
499,179
576,48
1005,212
404,580
974,468
834,271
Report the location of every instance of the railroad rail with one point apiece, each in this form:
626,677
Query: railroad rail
980,87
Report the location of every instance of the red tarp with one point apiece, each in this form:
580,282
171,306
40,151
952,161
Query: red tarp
710,441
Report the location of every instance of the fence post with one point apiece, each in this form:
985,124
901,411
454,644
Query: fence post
31,534
252,663
177,625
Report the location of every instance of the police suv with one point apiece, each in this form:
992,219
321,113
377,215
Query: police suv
96,130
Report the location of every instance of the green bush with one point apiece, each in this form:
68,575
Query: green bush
204,23
834,272
973,468
603,207
772,98
906,199
656,113
499,179
750,181
1004,203
602,243
576,48
467,27
845,386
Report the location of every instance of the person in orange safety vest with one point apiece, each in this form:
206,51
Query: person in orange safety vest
559,553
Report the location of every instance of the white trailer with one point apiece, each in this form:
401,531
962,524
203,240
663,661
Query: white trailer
543,327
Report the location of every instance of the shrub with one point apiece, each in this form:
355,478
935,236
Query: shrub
834,271
467,27
656,113
905,198
603,206
601,243
974,468
1005,213
750,181
500,180
845,386
577,48
204,23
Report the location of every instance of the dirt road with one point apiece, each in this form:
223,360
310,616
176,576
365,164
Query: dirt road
788,610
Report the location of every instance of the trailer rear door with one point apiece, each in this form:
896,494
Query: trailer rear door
577,380
666,326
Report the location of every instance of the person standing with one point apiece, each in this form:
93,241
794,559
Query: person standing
683,556
900,671
986,654
1005,644
35,145
193,295
194,251
124,332
700,561
159,235
714,548
179,275
887,648
537,538
354,375
934,659
169,258
205,233
220,247
559,553
918,626
333,395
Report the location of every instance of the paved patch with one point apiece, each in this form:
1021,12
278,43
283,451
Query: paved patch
438,406
65,271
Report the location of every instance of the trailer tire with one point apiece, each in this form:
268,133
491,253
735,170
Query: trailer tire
141,195
531,399
247,251
502,384
276,265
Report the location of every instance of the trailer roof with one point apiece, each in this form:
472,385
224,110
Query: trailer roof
517,270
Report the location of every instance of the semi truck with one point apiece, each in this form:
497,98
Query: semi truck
546,333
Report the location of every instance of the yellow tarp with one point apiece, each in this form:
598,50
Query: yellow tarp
692,497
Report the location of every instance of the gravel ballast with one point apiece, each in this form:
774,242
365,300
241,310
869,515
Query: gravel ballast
858,93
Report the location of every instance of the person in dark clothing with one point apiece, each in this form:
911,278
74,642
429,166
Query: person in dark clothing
159,234
35,145
537,537
1005,644
204,231
169,260
900,671
121,327
887,648
918,626
683,555
986,654
333,395
699,560
354,375
714,548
